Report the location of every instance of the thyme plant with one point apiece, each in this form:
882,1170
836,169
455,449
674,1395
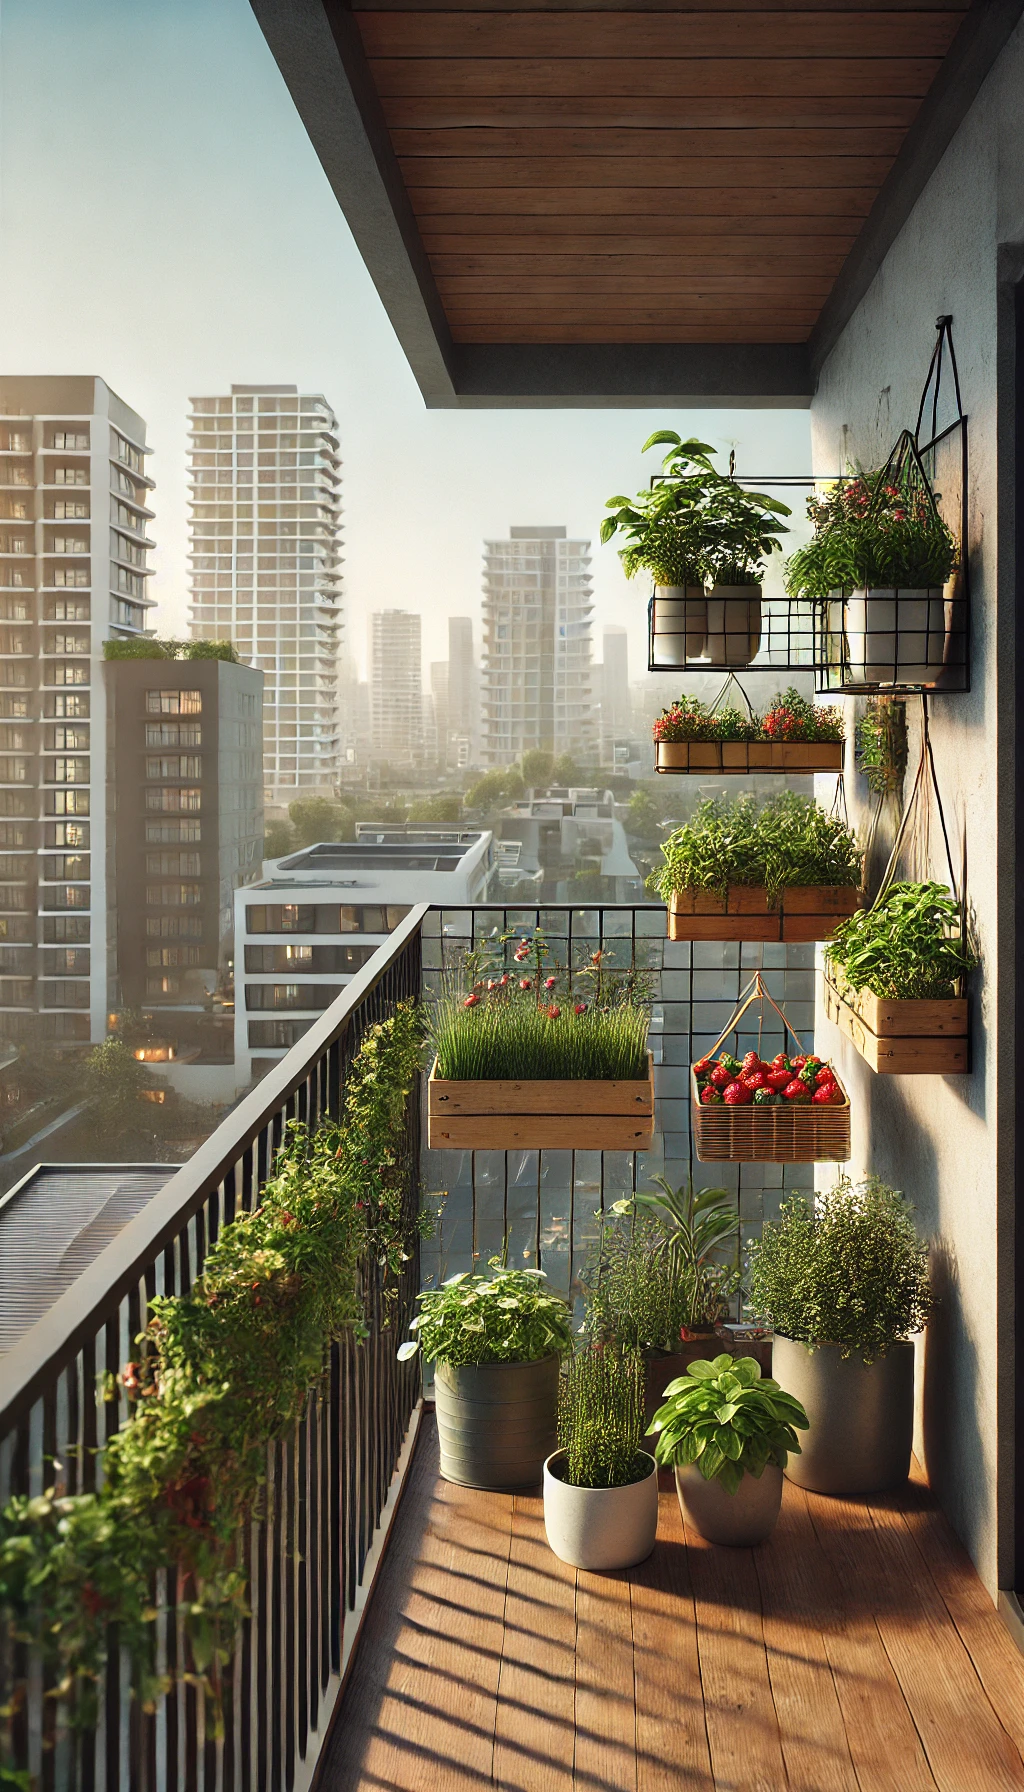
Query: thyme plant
783,842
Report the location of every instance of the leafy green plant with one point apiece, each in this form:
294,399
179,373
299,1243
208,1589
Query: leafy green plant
695,525
789,716
656,1271
874,535
146,647
221,1372
512,1012
846,1269
783,842
881,745
729,1420
601,1418
506,1316
907,948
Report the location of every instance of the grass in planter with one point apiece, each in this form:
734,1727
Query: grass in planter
601,1418
785,842
521,1040
907,948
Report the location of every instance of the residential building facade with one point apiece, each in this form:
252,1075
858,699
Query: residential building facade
396,687
74,547
537,673
265,522
463,694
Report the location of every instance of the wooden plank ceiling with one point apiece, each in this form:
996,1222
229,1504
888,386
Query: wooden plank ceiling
678,173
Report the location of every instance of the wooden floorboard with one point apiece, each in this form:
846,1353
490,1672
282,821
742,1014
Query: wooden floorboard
855,1652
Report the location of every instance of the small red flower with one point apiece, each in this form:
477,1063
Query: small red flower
471,1001
549,982
524,983
581,1008
554,1012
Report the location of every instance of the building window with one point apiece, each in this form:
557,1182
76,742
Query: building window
70,609
189,765
64,509
174,895
67,706
161,832
67,802
73,865
77,576
172,799
173,955
70,476
65,896
68,673
174,703
70,771
163,864
76,439
58,928
174,734
174,927
75,739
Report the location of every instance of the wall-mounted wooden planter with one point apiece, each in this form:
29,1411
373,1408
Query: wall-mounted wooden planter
903,1038
811,912
795,1133
548,1116
737,757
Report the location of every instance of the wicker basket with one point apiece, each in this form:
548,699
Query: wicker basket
737,757
802,913
796,1133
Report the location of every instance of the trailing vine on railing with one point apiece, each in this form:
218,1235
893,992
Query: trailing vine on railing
221,1373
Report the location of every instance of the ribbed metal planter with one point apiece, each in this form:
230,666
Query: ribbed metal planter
496,1422
861,1416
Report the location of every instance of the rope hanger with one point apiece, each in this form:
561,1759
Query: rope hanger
755,991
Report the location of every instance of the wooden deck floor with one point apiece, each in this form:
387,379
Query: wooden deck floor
856,1650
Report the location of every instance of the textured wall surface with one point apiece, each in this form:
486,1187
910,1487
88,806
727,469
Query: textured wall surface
948,1140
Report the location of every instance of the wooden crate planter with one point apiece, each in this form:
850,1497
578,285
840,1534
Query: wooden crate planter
811,912
795,1133
540,1116
903,1038
736,757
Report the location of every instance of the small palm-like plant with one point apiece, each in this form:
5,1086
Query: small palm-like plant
728,1419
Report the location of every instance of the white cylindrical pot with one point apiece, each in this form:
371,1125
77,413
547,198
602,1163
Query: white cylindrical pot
679,625
861,1416
740,1519
896,636
600,1527
734,624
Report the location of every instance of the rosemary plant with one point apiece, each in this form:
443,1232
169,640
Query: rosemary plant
601,1418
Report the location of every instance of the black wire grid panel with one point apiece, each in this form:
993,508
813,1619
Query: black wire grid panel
546,1201
327,1482
731,629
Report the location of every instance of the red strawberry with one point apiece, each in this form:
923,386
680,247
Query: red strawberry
796,1091
753,1080
780,1061
825,1075
777,1080
797,1063
721,1077
710,1094
751,1062
736,1096
829,1095
702,1067
812,1058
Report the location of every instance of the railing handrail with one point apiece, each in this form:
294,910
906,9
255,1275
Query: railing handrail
96,1294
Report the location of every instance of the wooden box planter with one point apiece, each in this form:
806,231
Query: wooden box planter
806,912
903,1038
542,1116
737,757
795,1133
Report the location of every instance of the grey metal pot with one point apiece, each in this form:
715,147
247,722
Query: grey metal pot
740,1519
861,1416
496,1422
679,624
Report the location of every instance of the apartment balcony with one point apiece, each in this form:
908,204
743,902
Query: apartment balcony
402,1631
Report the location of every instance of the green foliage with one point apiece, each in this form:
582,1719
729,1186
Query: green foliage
601,1418
510,1013
657,1269
566,770
138,647
907,948
644,816
696,525
881,742
729,1420
506,1316
848,1269
315,818
496,787
221,1372
788,717
279,840
786,841
444,807
537,766
867,534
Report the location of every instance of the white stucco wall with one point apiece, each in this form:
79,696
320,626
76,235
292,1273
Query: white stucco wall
948,1140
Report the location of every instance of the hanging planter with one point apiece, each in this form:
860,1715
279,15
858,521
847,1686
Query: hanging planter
893,982
792,736
791,1110
531,1058
798,914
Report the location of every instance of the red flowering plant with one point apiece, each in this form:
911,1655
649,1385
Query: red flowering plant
510,1009
877,530
789,716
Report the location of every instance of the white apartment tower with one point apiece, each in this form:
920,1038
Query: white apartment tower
537,676
74,514
396,686
266,567
463,693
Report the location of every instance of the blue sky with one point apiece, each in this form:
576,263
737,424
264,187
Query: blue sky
165,223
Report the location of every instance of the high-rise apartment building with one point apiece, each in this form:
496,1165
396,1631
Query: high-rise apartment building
265,525
396,686
537,675
74,512
463,693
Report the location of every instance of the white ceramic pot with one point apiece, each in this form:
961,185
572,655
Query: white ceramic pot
896,636
600,1527
679,625
734,624
740,1519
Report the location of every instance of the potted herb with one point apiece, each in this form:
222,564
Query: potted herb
844,1283
793,735
745,870
600,1485
893,981
728,1433
697,528
534,1056
659,1279
497,1341
880,556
